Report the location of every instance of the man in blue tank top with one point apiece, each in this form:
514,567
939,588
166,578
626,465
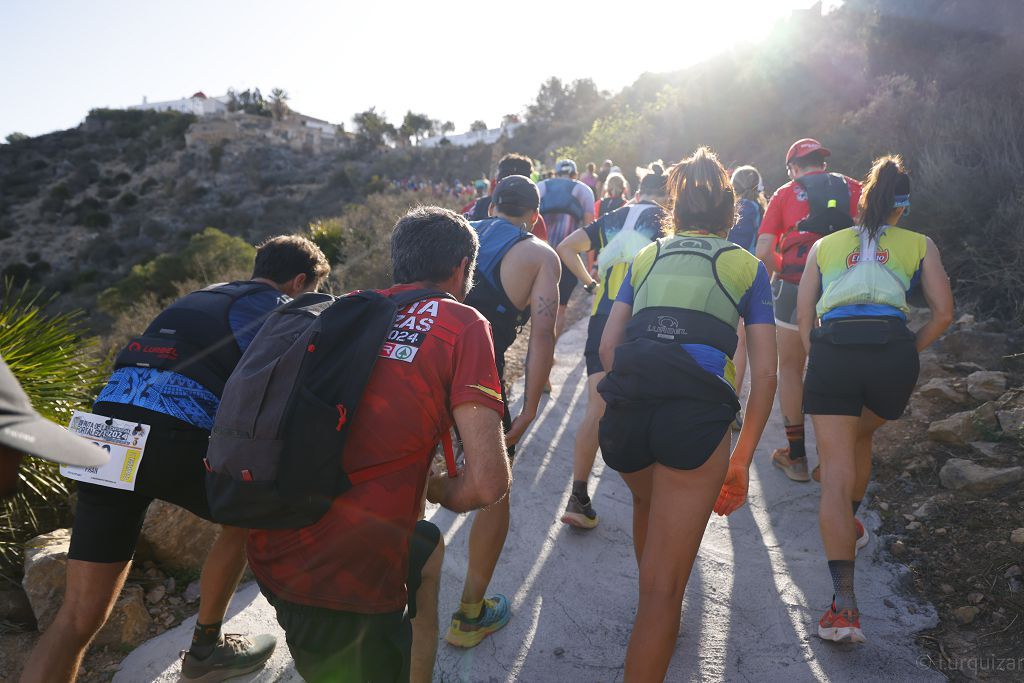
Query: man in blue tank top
516,280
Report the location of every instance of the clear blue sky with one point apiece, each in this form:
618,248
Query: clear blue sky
457,60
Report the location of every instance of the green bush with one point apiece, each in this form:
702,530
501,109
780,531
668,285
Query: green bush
50,356
210,256
96,219
128,200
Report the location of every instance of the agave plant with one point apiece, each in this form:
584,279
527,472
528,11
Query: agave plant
49,354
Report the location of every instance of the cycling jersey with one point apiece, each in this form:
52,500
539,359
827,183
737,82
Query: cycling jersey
862,278
695,287
646,220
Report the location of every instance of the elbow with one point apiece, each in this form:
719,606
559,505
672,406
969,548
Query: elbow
494,489
943,317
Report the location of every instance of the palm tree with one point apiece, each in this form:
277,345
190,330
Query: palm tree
49,354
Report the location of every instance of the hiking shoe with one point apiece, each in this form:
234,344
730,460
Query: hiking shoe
234,655
794,469
816,473
579,515
863,535
465,632
841,627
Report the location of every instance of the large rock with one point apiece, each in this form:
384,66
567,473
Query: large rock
175,538
969,343
960,474
129,622
943,388
15,608
987,385
46,559
958,428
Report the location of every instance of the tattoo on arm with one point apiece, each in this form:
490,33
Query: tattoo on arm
546,307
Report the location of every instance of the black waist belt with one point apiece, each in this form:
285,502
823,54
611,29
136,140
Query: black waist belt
863,331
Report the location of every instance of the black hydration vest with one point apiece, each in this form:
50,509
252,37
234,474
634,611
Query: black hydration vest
497,237
193,336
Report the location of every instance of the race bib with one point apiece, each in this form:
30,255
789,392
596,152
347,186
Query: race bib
125,441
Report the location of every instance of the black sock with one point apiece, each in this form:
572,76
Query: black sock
579,489
842,583
795,437
856,506
204,639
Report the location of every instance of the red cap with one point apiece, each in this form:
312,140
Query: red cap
804,147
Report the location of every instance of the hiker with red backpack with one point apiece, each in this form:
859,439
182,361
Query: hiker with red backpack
324,443
813,204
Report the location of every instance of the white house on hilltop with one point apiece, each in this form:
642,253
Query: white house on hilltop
198,104
488,137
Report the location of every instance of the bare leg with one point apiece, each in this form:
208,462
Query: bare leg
560,320
424,626
222,571
91,589
486,539
837,437
639,484
585,450
791,375
869,422
681,503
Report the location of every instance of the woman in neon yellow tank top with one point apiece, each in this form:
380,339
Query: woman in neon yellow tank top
670,393
863,359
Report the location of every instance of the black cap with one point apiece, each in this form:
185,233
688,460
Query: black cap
516,195
25,430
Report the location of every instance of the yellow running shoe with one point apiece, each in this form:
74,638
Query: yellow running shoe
464,632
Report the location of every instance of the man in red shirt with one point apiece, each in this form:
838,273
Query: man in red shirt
340,585
778,234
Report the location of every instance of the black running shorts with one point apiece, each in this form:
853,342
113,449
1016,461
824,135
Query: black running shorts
345,647
845,379
681,434
566,284
591,351
108,521
506,415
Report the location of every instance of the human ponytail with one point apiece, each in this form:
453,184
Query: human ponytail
878,198
700,194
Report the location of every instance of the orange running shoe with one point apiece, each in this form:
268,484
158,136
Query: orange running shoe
841,627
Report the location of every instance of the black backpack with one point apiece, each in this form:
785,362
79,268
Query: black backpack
828,201
274,460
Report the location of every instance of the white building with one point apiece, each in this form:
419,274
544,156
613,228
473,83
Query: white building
487,137
198,104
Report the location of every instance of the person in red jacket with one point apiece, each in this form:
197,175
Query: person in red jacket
783,249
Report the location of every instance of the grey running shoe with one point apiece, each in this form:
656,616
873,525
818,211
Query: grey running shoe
234,655
579,515
795,469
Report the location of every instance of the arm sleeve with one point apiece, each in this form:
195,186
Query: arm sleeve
626,293
594,233
475,376
771,224
248,314
756,304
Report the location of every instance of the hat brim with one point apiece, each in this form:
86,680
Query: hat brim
44,439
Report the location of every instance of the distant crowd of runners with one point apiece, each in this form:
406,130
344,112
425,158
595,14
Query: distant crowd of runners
314,428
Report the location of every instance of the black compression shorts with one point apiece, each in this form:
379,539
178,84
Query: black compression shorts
681,434
845,379
108,521
566,284
330,646
591,351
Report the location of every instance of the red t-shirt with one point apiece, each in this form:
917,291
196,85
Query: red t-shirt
540,228
355,558
788,206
